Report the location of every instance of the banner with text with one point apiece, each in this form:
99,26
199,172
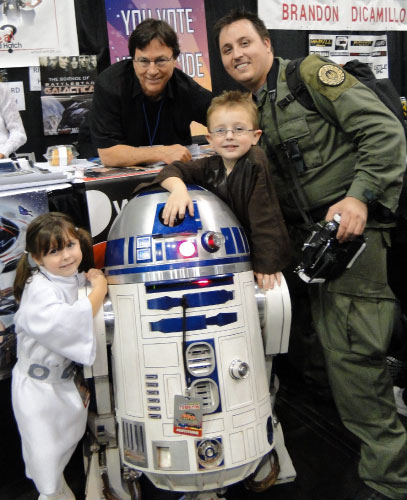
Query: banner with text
187,18
31,28
333,15
369,49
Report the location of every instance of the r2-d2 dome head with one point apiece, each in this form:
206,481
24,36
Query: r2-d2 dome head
141,248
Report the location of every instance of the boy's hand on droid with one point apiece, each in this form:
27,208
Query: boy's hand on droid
267,281
178,202
97,279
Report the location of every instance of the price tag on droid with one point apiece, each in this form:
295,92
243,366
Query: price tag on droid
188,415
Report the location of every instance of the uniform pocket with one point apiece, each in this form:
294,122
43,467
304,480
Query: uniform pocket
357,325
369,326
298,129
368,275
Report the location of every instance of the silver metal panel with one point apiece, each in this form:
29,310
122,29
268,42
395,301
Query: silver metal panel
170,455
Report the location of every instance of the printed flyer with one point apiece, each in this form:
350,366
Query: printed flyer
370,49
67,85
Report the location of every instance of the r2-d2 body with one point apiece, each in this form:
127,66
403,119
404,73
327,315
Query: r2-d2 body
187,325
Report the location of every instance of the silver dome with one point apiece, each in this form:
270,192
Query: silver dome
141,248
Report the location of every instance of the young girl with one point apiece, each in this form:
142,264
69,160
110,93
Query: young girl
54,330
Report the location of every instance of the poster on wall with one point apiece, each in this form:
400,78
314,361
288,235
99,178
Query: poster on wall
332,15
370,49
31,28
67,85
187,18
17,211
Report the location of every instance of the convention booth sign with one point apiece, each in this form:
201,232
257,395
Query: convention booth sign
36,27
360,15
370,49
186,18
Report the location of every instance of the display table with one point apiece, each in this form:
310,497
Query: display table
106,191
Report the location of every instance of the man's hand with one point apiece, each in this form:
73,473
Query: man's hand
122,155
267,281
175,153
178,201
353,214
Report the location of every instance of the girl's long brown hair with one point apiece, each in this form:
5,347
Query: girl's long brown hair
46,231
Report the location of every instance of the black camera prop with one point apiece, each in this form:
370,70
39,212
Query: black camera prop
323,257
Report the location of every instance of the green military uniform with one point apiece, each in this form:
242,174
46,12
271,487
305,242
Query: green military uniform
352,146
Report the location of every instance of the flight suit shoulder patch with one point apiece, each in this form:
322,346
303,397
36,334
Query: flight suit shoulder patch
331,75
325,77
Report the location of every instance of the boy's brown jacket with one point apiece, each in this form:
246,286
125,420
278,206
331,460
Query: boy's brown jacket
249,192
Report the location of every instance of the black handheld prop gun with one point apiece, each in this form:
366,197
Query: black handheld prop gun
323,257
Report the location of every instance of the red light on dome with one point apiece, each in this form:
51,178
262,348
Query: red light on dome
212,241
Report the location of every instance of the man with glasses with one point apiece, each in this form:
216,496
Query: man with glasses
346,157
142,108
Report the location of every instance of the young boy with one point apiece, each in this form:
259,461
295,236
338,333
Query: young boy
239,175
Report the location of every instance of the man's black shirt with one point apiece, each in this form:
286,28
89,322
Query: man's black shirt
117,109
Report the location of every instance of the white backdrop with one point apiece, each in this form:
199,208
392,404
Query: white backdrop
46,27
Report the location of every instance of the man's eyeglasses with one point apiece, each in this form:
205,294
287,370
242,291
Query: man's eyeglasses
160,62
221,132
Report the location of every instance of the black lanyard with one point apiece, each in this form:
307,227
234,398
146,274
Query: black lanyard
151,138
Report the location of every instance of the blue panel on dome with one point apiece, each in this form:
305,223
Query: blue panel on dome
189,225
114,255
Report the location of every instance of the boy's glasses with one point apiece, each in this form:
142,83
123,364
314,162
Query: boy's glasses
161,62
221,132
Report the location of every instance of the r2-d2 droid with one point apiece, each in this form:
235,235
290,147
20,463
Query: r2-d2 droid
190,386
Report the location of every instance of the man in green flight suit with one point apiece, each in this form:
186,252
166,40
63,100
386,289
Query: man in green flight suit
353,154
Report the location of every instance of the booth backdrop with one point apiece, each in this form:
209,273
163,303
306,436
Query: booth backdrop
92,35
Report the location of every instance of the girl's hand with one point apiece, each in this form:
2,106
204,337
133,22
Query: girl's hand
267,281
97,279
178,202
99,289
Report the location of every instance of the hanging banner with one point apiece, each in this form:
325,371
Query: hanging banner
369,49
67,85
186,17
334,15
31,28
